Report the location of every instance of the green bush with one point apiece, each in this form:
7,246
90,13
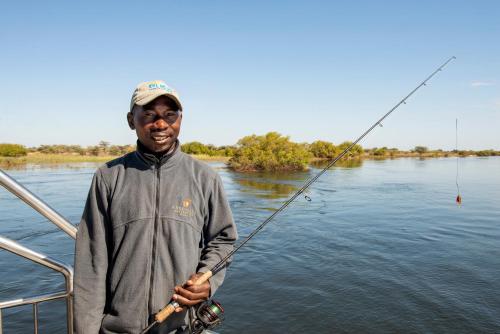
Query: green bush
380,152
357,150
227,151
323,149
485,153
194,147
271,152
12,150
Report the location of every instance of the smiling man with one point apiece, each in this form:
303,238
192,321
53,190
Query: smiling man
154,219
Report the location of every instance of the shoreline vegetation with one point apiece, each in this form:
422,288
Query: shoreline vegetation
269,152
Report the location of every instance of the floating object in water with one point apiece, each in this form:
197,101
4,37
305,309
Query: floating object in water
459,199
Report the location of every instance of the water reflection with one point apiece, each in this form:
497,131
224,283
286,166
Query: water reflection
264,188
275,176
350,163
268,185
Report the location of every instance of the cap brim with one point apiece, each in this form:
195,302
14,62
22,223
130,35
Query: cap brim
151,97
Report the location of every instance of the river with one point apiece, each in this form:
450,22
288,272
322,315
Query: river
380,247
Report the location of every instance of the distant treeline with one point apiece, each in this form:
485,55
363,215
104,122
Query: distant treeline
198,148
103,148
423,151
270,152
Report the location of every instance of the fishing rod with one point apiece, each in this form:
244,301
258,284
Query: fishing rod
209,313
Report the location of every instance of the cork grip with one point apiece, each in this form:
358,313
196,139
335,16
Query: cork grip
164,313
170,308
203,278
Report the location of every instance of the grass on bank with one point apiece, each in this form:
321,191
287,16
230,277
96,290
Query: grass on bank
42,158
206,157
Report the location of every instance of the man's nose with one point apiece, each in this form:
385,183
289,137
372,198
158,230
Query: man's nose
160,123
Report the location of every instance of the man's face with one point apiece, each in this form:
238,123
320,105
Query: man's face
157,123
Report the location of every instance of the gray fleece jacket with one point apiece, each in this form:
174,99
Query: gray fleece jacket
146,228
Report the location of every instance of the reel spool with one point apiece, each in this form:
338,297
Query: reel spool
208,315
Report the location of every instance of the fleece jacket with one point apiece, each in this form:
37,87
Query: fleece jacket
146,228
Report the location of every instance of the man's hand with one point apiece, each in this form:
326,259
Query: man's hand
190,294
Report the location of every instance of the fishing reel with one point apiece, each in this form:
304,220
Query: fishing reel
207,315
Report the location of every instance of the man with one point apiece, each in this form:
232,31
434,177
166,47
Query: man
153,219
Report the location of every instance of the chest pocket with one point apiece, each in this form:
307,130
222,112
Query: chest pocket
132,201
179,221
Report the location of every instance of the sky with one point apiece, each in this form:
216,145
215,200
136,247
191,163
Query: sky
311,70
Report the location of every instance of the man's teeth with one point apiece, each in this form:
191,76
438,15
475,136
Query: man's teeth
159,138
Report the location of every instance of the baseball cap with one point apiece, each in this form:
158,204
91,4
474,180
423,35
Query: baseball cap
147,91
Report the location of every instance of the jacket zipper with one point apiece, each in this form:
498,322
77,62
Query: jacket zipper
155,240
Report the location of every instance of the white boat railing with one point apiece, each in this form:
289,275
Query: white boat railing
12,246
36,203
48,262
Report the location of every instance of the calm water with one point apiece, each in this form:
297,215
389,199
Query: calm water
380,248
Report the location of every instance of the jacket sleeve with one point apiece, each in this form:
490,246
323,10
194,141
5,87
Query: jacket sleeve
219,234
91,261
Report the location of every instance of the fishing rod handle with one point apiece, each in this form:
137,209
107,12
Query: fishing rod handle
203,278
170,308
166,312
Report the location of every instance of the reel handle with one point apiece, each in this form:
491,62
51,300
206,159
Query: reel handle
170,308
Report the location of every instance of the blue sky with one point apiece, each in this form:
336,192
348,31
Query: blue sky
310,69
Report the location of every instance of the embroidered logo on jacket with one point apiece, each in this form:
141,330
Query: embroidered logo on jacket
185,208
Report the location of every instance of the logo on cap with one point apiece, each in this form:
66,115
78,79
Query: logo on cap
159,85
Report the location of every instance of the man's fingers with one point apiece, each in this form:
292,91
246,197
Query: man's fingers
186,302
205,287
192,295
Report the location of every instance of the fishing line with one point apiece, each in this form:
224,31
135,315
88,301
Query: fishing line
459,198
170,308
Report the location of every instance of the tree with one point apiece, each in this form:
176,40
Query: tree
103,146
94,150
420,149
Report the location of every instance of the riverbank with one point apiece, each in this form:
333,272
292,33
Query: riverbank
42,158
269,152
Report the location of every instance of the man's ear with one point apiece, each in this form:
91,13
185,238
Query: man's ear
130,120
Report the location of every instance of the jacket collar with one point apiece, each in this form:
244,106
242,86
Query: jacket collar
157,158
